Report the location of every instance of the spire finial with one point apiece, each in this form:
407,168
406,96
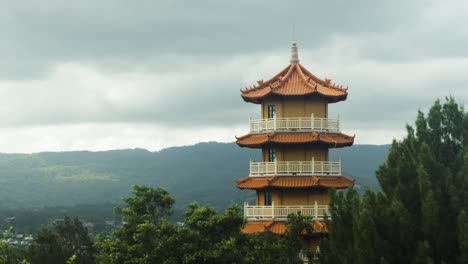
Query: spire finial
294,53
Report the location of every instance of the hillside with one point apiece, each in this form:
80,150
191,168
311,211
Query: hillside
204,172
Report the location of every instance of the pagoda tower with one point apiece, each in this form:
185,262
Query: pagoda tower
294,134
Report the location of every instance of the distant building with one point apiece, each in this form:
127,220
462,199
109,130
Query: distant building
57,221
88,225
9,219
294,134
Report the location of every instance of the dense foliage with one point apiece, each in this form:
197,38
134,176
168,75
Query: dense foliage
205,236
147,237
68,239
420,216
9,254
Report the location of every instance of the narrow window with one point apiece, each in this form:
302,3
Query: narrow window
267,198
271,111
271,155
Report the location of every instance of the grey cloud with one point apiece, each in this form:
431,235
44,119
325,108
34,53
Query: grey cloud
135,32
195,97
380,95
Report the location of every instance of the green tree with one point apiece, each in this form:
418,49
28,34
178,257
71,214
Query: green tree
46,248
339,246
419,217
209,237
4,249
9,254
75,240
206,236
68,240
145,236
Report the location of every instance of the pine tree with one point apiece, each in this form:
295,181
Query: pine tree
419,216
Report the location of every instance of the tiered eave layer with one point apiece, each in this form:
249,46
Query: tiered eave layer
279,227
256,183
294,80
332,140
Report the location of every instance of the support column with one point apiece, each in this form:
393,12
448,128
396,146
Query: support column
316,210
272,209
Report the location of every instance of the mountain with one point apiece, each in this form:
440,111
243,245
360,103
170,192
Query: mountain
205,172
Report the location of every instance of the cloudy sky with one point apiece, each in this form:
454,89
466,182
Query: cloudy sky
98,75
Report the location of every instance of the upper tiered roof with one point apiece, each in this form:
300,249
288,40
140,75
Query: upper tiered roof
294,80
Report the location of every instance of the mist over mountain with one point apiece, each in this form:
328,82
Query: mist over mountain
205,173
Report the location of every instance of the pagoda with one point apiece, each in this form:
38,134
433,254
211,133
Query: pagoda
294,134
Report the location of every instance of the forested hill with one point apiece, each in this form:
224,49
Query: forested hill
204,172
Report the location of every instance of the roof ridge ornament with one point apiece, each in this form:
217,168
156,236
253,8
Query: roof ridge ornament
294,53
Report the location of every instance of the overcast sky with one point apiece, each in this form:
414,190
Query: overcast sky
99,75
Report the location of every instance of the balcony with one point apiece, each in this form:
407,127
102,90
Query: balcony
294,124
293,168
282,211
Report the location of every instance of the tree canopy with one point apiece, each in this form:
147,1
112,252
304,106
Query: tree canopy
420,216
67,240
204,237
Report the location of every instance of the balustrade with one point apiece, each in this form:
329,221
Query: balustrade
294,124
295,168
282,211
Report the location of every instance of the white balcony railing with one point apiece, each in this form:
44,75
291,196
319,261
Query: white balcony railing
294,124
313,167
282,211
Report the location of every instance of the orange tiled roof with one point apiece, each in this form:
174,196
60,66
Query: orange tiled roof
330,139
254,183
278,227
295,80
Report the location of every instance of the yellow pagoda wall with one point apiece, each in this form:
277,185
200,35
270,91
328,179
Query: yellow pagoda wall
295,197
260,198
302,154
301,107
303,197
297,107
294,153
